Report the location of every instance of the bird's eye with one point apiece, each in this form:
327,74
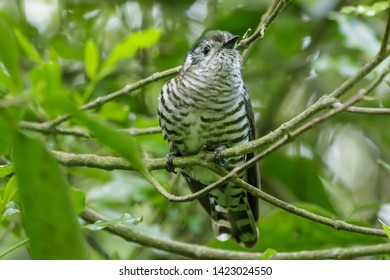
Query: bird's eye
206,50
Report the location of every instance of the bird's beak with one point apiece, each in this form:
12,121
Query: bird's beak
231,43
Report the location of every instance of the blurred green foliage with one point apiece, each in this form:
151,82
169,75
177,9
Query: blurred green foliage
49,220
54,53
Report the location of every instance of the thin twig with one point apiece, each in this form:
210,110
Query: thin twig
270,15
13,248
47,130
141,131
336,224
13,101
117,163
364,110
384,45
273,11
104,99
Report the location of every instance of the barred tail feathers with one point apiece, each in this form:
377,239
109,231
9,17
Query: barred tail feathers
220,221
232,217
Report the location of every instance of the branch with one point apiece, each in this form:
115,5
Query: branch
336,224
281,133
104,99
14,101
111,163
205,159
273,11
336,253
384,46
48,130
117,163
91,161
141,131
279,137
284,135
364,110
383,53
203,252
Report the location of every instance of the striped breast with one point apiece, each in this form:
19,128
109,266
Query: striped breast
196,113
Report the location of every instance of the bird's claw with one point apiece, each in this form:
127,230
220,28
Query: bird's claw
217,156
169,166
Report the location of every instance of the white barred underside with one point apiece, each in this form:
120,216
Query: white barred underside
206,108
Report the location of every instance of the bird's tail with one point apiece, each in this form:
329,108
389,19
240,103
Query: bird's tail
232,216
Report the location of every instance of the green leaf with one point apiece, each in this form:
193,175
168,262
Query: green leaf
268,253
5,79
5,170
385,165
50,220
124,144
78,197
66,47
125,218
9,119
10,190
27,47
385,227
9,54
91,59
114,111
47,84
129,46
46,80
7,206
366,10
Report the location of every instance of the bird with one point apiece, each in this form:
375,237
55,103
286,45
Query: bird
206,106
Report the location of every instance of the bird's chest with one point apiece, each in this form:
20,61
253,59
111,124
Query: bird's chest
197,128
210,128
206,111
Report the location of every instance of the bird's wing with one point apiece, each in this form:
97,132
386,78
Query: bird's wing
253,173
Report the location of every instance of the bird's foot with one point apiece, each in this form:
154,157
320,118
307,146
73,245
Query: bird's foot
169,166
217,156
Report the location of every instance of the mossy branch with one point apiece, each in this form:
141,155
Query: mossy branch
202,252
110,163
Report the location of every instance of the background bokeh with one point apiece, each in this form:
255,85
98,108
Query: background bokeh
338,169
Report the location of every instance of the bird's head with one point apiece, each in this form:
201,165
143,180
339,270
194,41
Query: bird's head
215,50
